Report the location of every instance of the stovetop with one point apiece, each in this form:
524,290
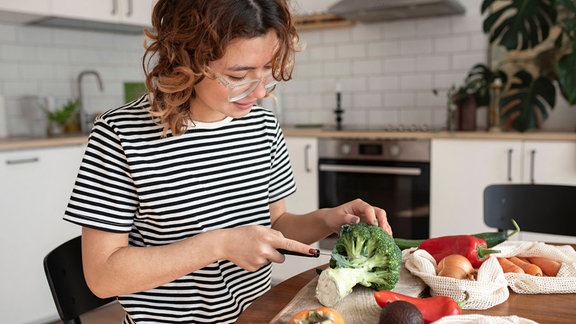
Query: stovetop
387,128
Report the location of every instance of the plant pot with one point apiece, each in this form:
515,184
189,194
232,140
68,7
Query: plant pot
466,114
54,129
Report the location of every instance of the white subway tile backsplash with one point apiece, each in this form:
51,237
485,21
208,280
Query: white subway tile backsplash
386,71
339,35
433,26
386,82
337,68
18,53
457,43
433,63
384,48
419,46
321,52
351,51
399,64
416,81
467,60
366,67
367,100
403,29
399,99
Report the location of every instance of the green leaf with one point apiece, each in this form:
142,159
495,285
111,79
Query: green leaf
519,24
567,77
527,103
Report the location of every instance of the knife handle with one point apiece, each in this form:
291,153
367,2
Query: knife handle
288,252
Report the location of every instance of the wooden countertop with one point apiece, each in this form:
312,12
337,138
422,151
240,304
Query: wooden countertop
542,308
19,143
322,133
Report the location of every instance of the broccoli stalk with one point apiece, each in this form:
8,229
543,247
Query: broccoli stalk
363,254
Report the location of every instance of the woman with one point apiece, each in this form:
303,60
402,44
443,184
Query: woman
181,193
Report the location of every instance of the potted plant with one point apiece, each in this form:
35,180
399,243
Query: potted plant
476,91
62,120
539,39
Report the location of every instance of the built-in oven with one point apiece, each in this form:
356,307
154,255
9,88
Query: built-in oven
393,174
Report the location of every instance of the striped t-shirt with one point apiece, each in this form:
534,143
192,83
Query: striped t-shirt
164,189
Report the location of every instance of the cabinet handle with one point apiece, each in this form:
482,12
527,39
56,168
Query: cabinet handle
22,161
370,169
114,11
307,149
130,8
532,165
510,165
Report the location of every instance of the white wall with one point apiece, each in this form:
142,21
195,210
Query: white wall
41,61
386,70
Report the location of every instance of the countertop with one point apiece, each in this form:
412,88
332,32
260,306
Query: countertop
323,133
19,143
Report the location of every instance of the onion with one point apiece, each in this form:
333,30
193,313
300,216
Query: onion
456,266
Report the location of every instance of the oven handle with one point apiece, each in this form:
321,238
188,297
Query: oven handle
370,169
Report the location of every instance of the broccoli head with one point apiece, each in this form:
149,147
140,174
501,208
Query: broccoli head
363,254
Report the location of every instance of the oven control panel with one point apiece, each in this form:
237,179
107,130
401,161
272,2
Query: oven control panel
417,150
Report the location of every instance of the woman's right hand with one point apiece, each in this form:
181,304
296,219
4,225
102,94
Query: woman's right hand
251,247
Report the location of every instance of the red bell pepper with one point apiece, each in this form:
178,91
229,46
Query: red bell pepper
473,248
432,308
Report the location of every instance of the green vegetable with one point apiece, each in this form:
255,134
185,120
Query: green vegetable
363,254
64,114
491,238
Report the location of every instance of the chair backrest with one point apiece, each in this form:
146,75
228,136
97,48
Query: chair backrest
549,209
63,268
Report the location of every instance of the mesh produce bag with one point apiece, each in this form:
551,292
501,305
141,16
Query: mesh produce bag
563,283
489,289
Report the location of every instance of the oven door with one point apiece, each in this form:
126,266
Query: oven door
400,188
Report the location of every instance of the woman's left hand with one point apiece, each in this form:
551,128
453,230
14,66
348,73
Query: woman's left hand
356,211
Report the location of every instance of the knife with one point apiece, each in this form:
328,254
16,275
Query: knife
315,255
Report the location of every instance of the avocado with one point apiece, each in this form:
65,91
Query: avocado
401,312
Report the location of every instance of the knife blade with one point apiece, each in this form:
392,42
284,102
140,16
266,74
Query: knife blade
315,255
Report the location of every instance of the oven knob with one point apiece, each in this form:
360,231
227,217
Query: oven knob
394,150
345,149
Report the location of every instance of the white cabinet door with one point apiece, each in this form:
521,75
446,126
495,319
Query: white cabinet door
135,12
23,11
304,157
35,186
460,170
26,6
550,162
100,10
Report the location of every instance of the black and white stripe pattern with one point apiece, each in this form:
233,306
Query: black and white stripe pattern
163,189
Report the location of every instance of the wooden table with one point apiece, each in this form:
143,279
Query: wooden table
545,309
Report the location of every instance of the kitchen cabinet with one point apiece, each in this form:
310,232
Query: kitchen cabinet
23,11
304,158
131,12
462,168
35,185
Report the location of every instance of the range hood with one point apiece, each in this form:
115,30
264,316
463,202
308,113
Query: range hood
386,10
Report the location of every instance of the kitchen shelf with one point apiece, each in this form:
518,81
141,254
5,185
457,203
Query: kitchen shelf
316,21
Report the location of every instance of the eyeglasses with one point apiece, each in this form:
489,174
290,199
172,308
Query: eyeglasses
239,90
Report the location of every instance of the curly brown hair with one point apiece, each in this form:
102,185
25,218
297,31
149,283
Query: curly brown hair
189,34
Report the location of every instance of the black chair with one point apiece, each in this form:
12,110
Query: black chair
63,268
548,209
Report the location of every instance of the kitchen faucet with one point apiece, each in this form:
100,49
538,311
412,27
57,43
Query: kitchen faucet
86,120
